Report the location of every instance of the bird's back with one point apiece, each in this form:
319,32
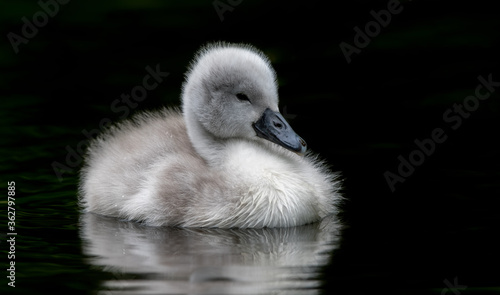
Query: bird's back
120,161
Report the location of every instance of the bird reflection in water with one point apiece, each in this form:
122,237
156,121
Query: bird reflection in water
167,260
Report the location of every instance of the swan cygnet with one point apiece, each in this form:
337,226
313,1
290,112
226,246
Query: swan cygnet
228,159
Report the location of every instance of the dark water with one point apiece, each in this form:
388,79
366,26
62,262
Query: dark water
405,97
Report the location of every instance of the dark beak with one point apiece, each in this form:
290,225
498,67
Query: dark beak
273,127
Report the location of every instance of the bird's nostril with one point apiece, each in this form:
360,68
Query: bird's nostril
278,125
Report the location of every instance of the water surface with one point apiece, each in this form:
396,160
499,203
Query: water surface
152,260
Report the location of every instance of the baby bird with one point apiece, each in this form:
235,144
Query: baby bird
228,159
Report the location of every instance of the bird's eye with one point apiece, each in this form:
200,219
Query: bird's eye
242,96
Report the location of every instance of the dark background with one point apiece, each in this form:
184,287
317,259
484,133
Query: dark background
441,223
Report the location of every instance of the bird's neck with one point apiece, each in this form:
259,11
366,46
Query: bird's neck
206,145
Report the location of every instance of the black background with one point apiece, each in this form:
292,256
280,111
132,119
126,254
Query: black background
440,223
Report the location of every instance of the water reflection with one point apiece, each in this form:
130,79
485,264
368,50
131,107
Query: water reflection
151,260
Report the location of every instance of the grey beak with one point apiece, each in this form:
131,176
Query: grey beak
273,127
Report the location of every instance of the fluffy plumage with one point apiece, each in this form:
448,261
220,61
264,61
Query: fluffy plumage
206,166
